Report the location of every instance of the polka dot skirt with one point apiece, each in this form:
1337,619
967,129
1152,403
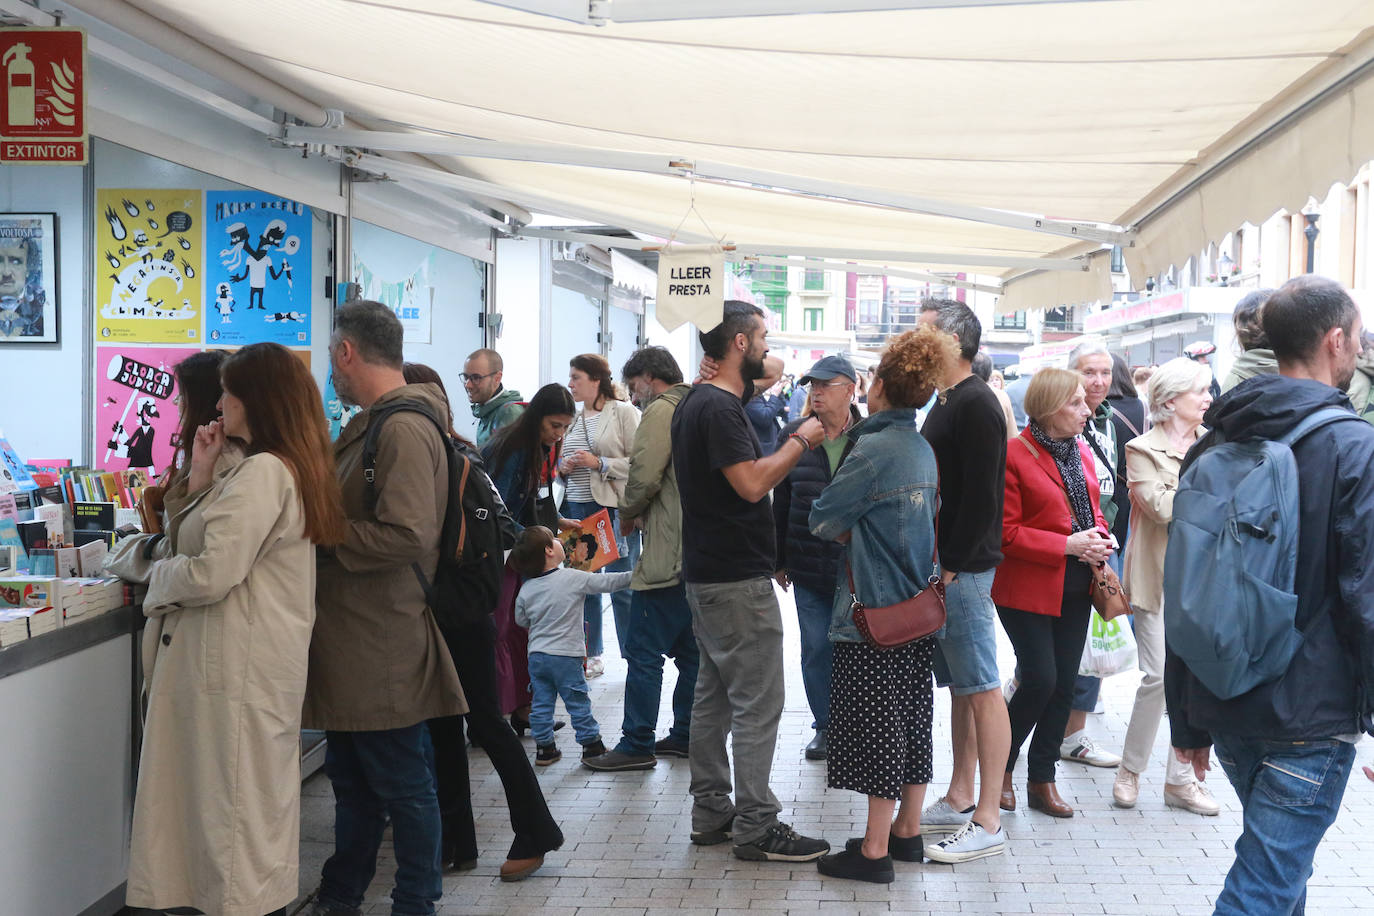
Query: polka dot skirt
881,704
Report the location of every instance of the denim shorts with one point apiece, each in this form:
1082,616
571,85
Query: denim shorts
966,646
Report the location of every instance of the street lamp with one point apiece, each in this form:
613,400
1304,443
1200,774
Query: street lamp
1311,232
1224,265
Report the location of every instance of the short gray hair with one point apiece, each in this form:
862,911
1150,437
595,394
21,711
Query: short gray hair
1089,346
373,329
1178,376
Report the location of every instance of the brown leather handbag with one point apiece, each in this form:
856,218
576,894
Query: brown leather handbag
906,621
1108,594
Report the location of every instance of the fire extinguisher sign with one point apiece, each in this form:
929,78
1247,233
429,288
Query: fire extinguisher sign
43,96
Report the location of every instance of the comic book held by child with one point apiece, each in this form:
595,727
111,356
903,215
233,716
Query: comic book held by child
592,544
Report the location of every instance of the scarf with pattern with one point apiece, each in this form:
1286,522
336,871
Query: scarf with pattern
1070,463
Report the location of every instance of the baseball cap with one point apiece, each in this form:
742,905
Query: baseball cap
827,367
1199,348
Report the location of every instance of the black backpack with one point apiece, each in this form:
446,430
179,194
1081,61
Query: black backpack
477,528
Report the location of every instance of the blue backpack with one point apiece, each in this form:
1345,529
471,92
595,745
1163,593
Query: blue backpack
1229,605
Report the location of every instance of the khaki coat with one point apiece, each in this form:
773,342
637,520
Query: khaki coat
651,494
615,435
1152,474
377,660
217,813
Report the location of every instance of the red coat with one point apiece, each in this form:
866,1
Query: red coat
1036,524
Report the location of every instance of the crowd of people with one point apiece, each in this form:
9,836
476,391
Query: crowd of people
289,589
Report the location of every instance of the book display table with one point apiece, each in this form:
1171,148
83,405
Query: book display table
69,721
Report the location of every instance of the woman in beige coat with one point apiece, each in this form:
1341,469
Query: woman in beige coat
217,812
1178,397
595,465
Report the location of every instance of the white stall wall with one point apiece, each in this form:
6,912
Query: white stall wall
523,282
624,327
682,342
41,384
576,329
458,283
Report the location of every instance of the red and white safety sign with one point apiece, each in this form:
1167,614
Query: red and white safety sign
43,96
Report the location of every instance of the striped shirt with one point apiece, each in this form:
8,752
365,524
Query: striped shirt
580,436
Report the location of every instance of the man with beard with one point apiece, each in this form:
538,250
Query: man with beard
728,560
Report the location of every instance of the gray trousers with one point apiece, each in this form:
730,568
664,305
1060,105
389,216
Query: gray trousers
740,690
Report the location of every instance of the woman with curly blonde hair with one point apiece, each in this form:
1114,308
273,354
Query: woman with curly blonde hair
881,504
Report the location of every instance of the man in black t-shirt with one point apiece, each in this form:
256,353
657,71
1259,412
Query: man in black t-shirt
968,432
727,563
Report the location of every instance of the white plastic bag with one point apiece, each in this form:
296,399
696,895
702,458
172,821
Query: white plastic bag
1109,648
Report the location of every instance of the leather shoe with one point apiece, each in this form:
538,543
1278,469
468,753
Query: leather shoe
1043,796
817,749
1008,800
520,869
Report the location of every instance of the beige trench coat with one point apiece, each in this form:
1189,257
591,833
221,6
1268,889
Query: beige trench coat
1152,474
378,660
217,814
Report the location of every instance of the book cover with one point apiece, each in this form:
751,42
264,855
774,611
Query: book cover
9,559
58,519
82,538
33,535
23,502
90,516
12,474
9,537
49,464
91,557
7,507
43,561
592,545
53,494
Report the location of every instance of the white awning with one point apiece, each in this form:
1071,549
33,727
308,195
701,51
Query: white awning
942,132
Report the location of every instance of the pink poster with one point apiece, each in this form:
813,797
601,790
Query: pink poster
136,416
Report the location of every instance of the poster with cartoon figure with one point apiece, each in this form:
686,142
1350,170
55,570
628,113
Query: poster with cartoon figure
148,260
335,410
136,418
257,272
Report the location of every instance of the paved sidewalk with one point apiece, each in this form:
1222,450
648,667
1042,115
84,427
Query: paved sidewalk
627,849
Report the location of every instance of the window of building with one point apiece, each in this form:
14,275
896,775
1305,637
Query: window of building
870,311
1016,321
1118,260
813,319
814,279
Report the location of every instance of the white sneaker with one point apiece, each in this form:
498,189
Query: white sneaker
1126,788
969,842
1193,797
1079,748
942,817
594,667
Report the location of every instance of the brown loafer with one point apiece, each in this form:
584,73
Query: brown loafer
1043,796
520,869
1008,800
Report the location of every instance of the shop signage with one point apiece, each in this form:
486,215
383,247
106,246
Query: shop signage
1135,312
691,286
43,105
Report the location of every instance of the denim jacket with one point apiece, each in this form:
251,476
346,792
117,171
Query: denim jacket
884,494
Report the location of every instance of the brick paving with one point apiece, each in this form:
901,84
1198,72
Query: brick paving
627,850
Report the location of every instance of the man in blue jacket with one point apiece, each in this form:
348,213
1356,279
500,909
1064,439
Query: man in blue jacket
1288,746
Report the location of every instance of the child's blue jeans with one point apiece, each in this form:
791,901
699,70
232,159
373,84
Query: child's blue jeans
554,676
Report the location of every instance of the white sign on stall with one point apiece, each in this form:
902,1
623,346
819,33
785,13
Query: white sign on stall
691,286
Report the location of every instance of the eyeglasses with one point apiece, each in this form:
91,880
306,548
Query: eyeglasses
833,383
470,377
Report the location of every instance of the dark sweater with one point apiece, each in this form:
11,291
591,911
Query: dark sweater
968,432
809,561
1123,410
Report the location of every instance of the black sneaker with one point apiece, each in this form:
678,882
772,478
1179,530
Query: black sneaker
901,848
782,844
595,749
616,761
546,754
716,835
670,748
853,864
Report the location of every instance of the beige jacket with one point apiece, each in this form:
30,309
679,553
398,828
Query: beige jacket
615,434
377,659
217,815
651,494
1152,475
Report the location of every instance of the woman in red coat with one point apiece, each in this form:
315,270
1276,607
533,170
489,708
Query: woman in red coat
1052,529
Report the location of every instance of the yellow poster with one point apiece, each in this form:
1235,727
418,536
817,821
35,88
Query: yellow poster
148,258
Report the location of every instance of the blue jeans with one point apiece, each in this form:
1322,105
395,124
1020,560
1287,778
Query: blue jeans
1290,793
660,623
814,610
380,776
620,601
554,676
966,646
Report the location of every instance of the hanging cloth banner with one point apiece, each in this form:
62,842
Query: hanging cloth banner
691,286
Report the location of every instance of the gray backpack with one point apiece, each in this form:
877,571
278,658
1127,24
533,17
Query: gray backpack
1229,605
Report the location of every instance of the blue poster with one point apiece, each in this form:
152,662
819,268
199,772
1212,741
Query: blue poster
335,411
257,269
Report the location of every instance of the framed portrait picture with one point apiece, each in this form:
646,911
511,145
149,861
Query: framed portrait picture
28,278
